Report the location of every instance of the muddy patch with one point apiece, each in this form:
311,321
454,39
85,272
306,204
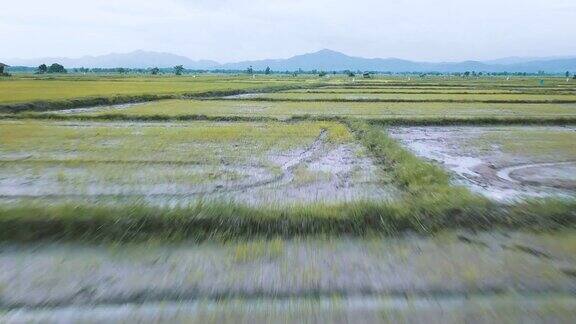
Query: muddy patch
453,264
320,172
244,96
555,174
106,108
481,158
55,179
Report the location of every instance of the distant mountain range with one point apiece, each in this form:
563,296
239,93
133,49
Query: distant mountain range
136,59
324,60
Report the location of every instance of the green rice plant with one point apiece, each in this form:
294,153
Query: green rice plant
189,109
44,95
430,200
222,221
418,97
428,203
544,100
543,143
199,142
384,120
257,249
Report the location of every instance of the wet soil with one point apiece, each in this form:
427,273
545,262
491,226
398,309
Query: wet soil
321,172
489,170
75,279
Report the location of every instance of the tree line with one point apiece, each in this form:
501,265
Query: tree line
54,68
58,68
179,70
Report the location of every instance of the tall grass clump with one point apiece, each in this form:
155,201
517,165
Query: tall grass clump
429,200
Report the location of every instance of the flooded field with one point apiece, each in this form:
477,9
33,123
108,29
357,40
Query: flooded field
287,109
415,96
180,163
504,163
247,206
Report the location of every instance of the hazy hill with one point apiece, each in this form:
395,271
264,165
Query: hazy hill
326,60
136,59
331,60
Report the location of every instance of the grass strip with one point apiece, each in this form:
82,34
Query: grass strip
385,120
471,92
430,213
376,100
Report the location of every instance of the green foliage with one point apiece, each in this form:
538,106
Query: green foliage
280,98
56,68
178,69
131,92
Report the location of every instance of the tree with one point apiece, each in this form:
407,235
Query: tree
42,69
178,69
567,74
56,68
250,70
155,70
267,70
322,74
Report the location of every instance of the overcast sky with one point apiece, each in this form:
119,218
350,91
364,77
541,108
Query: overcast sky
227,30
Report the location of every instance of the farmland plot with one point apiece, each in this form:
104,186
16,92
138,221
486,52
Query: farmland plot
254,215
282,110
447,97
254,163
501,162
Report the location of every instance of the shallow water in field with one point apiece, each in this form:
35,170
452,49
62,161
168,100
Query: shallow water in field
503,163
107,108
180,172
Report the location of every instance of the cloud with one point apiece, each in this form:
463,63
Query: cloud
228,30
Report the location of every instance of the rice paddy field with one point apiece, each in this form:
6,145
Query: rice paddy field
278,198
418,97
25,89
286,110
